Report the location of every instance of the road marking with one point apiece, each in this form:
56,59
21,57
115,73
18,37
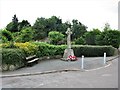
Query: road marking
99,67
106,75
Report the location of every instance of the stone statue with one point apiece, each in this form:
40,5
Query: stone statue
68,32
68,51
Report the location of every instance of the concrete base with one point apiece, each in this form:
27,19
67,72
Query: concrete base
67,53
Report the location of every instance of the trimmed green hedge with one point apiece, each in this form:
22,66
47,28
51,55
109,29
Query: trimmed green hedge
13,57
16,56
93,51
45,49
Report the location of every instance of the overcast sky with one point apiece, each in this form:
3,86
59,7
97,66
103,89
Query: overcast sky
92,13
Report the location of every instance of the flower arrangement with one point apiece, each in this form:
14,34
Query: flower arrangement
72,58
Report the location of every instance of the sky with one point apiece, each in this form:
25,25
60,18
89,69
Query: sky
92,13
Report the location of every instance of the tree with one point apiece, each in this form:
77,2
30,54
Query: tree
78,29
13,26
91,36
107,27
109,37
43,26
80,41
55,37
40,28
25,35
6,35
23,24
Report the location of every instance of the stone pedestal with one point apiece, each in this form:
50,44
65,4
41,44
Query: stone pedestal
67,53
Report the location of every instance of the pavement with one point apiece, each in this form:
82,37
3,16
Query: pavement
94,77
57,64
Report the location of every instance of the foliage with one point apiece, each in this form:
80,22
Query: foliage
13,57
109,37
93,51
40,28
16,56
6,35
13,26
107,27
8,45
43,26
3,40
22,32
80,41
78,29
23,24
91,36
27,47
25,35
55,37
45,49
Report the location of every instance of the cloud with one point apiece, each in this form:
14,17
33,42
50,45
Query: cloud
92,13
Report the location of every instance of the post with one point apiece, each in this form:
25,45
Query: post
104,58
82,62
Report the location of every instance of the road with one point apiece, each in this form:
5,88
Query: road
102,78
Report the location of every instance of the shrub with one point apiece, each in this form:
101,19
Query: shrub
8,45
109,37
13,57
55,37
93,51
45,49
4,39
90,36
25,35
27,47
6,35
80,41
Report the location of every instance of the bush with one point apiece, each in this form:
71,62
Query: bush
93,51
80,41
55,37
90,36
109,37
6,35
25,35
4,39
8,45
45,49
13,57
27,47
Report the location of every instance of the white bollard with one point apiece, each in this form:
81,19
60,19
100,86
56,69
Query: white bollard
104,58
82,62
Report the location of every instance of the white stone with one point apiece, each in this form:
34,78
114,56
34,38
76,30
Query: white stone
12,67
4,67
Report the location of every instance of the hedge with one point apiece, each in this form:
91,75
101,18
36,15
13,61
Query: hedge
27,47
45,49
14,57
93,51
